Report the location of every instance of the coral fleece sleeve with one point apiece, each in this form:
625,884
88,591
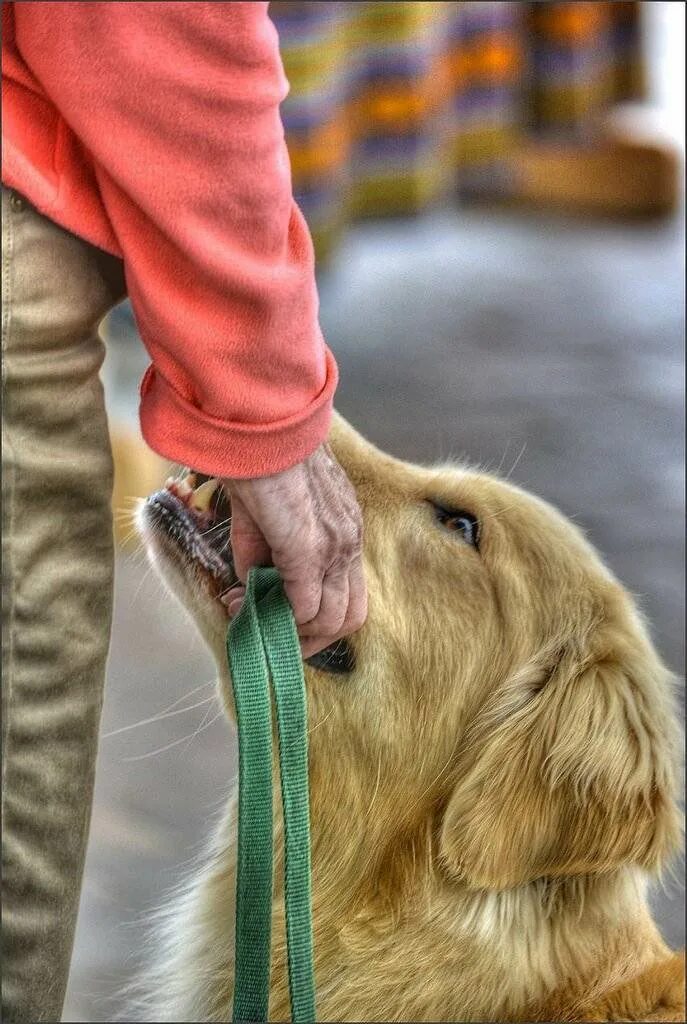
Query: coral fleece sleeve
175,107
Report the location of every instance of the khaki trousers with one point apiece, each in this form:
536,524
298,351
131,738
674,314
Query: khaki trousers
57,556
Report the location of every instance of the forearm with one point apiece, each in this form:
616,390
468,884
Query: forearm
179,107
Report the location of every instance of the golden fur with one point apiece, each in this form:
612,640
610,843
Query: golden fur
491,788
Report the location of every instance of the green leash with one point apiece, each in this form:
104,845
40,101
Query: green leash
262,643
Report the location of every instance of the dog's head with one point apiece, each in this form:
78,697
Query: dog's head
503,692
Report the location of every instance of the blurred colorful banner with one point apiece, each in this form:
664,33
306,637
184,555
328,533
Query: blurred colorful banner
393,105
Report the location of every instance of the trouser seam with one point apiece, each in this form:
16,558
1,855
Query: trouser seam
6,324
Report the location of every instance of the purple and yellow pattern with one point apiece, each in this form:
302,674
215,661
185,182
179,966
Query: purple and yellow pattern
394,105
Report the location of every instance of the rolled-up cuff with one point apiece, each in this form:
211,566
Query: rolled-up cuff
183,433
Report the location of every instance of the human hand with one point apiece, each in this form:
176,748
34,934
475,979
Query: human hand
306,522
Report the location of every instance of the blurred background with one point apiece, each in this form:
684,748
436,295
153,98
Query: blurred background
495,193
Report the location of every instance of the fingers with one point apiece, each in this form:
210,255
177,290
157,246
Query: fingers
313,646
303,587
248,545
233,599
356,613
319,589
331,614
342,611
307,523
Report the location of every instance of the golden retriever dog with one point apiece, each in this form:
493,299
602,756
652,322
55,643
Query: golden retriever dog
493,769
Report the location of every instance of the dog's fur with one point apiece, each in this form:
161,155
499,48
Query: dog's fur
491,787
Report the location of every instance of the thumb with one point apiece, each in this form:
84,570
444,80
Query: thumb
248,546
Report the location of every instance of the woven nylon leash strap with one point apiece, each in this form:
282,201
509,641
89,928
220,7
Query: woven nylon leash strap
262,644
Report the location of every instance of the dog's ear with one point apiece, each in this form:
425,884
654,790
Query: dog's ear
570,769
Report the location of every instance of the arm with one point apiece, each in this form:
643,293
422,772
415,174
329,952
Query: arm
178,104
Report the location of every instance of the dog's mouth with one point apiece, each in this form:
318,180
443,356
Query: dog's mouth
192,513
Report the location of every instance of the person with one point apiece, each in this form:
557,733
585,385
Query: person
143,155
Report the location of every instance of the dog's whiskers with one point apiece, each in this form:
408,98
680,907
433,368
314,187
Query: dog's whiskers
226,523
174,743
517,460
503,459
158,718
143,580
200,727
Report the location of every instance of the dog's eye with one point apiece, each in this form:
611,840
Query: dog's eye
458,521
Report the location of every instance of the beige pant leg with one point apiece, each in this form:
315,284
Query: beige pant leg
57,590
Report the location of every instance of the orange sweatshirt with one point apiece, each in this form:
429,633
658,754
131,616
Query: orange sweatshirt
153,131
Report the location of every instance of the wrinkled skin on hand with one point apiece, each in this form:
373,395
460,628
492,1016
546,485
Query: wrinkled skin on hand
306,522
